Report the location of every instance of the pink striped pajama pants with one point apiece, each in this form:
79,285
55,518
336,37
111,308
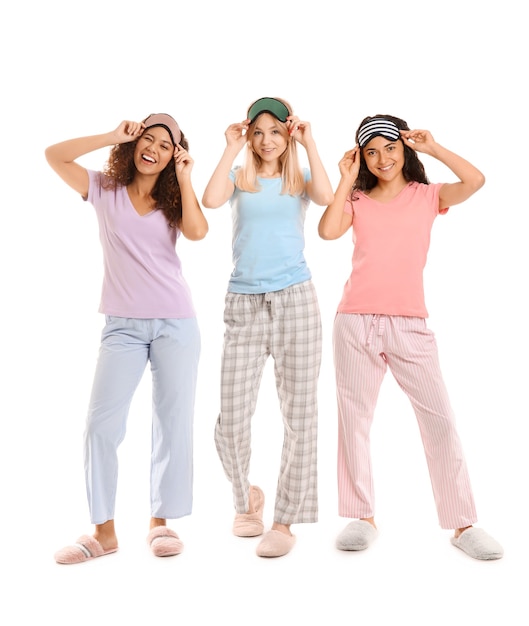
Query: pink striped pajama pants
364,347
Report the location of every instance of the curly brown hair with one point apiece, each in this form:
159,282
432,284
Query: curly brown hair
120,171
413,170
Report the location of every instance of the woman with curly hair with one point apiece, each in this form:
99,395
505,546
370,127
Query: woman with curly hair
144,200
387,200
271,309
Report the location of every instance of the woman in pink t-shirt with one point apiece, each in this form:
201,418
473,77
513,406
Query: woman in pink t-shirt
385,196
144,200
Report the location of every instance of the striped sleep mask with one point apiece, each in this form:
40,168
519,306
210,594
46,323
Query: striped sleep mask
377,127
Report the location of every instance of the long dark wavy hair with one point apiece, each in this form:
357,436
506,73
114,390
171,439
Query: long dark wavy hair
120,171
413,170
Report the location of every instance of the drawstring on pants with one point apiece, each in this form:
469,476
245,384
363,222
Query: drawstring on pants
270,301
376,320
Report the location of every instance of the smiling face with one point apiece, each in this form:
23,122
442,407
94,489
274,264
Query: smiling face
384,158
153,151
269,138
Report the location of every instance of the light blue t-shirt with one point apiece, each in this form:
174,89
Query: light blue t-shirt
268,238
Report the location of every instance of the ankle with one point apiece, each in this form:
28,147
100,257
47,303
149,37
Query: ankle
282,528
105,534
157,521
371,520
458,531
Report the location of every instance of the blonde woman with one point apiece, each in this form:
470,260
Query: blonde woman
271,309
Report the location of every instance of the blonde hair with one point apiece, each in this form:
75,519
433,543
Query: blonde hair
291,173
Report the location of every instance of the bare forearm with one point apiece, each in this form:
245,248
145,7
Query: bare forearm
470,178
61,157
335,222
219,186
465,171
193,224
321,189
69,150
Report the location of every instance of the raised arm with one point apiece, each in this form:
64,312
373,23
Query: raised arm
193,224
61,156
220,188
470,178
335,221
319,187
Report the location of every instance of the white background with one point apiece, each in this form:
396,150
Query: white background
458,69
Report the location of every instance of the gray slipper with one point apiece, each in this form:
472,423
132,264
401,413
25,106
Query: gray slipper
478,544
357,535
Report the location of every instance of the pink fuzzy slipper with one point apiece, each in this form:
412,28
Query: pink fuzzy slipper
85,549
251,524
275,543
164,542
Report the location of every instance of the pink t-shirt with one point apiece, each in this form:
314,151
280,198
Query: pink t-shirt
391,242
142,272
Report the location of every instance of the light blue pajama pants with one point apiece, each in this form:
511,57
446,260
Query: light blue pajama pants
173,348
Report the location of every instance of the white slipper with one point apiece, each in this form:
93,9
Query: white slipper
478,544
357,535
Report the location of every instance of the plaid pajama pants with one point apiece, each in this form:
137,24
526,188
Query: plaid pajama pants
285,324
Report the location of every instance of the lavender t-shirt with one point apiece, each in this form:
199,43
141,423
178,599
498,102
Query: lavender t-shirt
142,272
